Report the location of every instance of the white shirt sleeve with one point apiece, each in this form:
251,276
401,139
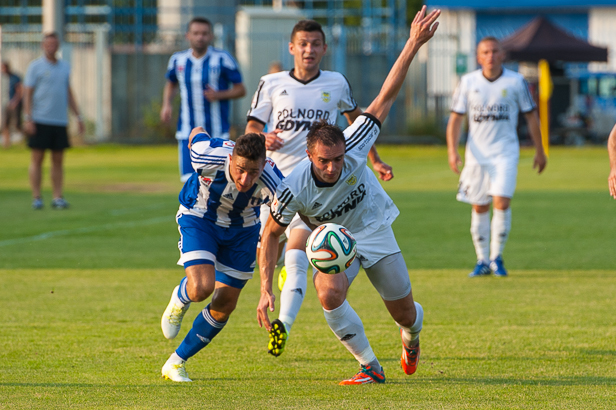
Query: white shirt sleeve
285,205
525,99
360,136
460,98
347,102
261,106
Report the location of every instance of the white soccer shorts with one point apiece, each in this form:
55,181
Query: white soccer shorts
479,183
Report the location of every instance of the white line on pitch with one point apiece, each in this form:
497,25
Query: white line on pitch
87,229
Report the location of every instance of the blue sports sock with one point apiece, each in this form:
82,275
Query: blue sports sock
204,329
182,293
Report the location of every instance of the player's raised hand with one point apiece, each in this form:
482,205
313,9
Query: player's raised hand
455,161
423,27
272,141
611,181
210,95
266,301
540,161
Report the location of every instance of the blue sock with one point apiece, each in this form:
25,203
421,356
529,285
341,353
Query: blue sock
204,329
182,293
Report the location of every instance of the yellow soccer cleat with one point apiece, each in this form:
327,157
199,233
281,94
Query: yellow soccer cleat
175,371
277,338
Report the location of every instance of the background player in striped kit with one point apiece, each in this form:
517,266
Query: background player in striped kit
203,75
289,102
492,96
218,220
335,185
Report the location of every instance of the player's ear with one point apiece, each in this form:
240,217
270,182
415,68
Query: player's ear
291,48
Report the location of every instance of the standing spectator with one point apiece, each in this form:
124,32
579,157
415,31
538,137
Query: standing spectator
12,111
203,74
491,97
611,149
47,97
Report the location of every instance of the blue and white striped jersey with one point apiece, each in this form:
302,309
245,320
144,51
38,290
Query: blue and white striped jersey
210,193
216,70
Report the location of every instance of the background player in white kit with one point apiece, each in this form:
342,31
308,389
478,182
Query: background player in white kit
492,97
335,185
289,103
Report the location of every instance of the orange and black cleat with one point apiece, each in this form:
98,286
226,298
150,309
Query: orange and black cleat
410,358
366,375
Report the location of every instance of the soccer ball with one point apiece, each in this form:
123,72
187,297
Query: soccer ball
331,248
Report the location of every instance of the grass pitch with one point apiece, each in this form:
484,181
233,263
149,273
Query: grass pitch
82,292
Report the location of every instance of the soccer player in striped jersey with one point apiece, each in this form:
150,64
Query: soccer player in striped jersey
289,102
219,224
335,185
492,97
207,78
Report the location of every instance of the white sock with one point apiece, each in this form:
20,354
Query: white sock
175,359
294,290
411,334
501,225
349,329
480,232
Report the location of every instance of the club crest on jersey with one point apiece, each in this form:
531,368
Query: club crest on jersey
352,180
504,92
325,96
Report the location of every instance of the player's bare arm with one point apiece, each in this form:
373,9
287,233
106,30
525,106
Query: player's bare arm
611,149
267,264
168,93
272,141
195,131
72,103
422,29
453,139
540,160
383,169
237,91
29,126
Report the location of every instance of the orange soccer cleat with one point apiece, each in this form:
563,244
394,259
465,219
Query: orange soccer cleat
410,358
366,375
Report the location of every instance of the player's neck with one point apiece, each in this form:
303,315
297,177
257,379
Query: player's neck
493,74
51,58
305,75
199,53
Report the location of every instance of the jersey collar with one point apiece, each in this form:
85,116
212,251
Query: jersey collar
292,74
499,76
207,54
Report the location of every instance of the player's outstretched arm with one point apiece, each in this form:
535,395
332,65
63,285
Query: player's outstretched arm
272,141
267,263
611,149
453,139
422,29
540,160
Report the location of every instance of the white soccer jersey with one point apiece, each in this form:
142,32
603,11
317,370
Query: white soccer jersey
210,193
492,108
282,101
357,201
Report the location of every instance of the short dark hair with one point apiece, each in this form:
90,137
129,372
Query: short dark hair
200,20
307,25
489,38
325,133
250,146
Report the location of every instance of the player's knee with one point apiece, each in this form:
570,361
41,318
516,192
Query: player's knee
198,292
331,298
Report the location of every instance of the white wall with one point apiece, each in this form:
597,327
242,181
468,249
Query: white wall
602,32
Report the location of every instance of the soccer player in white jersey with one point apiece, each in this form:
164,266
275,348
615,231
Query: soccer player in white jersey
335,185
492,97
611,149
289,102
207,78
219,226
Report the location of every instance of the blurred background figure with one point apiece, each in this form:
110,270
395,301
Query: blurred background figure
12,110
611,149
47,97
275,67
203,75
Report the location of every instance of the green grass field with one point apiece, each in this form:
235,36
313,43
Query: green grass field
82,292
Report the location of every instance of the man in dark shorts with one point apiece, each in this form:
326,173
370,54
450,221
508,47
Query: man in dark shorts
12,110
47,97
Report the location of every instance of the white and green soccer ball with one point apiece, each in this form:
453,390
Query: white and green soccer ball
331,248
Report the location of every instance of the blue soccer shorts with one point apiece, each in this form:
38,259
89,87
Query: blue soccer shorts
232,251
